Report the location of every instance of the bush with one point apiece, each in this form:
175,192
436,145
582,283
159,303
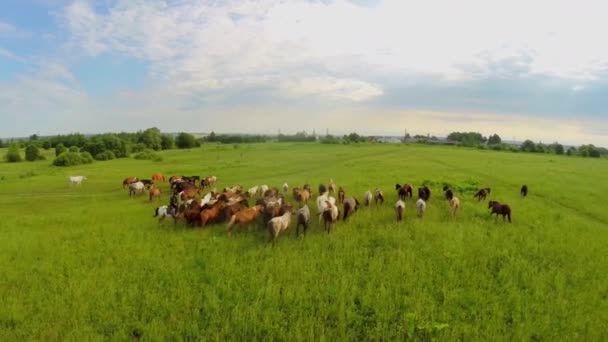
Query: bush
46,145
105,155
138,148
87,158
167,142
148,155
73,158
31,152
59,149
13,155
74,149
185,140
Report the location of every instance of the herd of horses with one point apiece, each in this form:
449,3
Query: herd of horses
231,205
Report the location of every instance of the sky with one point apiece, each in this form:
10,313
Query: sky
522,69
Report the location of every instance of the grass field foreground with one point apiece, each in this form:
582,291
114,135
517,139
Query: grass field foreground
89,262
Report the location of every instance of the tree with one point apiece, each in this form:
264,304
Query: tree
212,137
185,140
494,139
13,155
46,145
353,137
151,138
32,153
59,149
33,137
167,142
528,146
558,148
1,143
571,151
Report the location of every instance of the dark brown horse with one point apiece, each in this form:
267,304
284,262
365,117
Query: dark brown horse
424,193
500,209
524,190
403,191
481,194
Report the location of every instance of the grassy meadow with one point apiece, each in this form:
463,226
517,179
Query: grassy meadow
89,263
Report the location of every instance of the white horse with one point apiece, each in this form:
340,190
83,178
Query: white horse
399,209
278,224
420,207
136,188
76,179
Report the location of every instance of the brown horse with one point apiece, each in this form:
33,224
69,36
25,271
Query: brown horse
403,191
128,181
481,194
154,193
500,209
158,177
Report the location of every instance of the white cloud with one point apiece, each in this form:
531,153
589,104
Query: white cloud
335,52
8,30
339,88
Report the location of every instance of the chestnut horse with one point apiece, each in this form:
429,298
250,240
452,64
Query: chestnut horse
158,177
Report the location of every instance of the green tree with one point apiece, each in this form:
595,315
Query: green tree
167,142
494,139
32,153
1,143
59,149
571,151
185,140
151,138
558,148
46,145
13,155
212,137
528,146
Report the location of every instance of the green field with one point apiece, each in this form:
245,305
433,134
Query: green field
90,263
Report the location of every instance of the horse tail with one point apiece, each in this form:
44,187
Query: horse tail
155,213
509,216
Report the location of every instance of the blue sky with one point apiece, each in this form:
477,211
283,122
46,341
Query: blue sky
521,69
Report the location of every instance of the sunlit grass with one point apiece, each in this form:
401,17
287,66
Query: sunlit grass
91,263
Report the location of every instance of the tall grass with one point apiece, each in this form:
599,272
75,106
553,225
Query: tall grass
89,262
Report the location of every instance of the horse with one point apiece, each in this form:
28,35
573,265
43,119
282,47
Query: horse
303,219
154,193
424,193
449,194
76,179
135,188
158,177
128,181
403,191
481,194
454,205
420,207
524,190
500,209
399,209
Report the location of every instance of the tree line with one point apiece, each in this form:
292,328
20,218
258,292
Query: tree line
76,148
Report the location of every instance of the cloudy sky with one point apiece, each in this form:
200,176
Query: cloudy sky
524,69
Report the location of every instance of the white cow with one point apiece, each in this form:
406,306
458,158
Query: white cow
76,179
